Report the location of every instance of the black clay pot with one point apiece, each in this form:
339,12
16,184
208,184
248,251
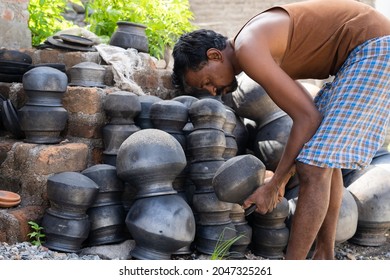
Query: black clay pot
115,134
63,233
45,79
251,101
150,159
87,74
202,173
370,188
207,113
268,242
210,210
130,35
169,115
110,186
209,236
206,144
122,107
271,140
41,124
231,147
230,122
107,225
238,177
71,193
160,226
143,119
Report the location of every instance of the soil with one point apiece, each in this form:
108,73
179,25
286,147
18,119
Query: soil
343,251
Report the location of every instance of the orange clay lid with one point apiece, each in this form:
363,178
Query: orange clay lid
9,199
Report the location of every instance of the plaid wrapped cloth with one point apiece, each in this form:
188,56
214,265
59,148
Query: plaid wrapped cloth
355,107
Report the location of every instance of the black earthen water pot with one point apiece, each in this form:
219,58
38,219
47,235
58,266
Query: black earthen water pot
42,124
370,188
207,113
71,193
65,234
122,107
271,140
160,225
143,118
210,210
206,144
169,115
150,159
130,35
238,178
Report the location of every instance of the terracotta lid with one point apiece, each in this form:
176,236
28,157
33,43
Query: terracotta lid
9,199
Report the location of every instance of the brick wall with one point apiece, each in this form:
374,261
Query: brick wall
227,16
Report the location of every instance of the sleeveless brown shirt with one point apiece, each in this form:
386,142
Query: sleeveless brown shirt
324,32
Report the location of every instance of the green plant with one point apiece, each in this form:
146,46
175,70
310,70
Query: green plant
222,247
36,235
165,20
46,18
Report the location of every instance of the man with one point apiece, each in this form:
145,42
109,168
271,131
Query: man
344,126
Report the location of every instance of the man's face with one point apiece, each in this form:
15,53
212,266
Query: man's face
215,77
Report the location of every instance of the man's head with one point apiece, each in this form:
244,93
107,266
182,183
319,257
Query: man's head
200,65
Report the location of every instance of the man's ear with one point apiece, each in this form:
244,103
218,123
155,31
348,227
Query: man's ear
214,54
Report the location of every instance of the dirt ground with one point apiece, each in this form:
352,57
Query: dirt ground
344,251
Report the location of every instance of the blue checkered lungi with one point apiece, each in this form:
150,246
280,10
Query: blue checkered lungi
355,108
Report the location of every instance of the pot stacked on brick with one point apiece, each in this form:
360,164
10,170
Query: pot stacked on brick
206,144
66,224
121,108
106,214
42,118
160,221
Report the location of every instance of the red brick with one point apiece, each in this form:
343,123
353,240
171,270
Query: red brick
83,100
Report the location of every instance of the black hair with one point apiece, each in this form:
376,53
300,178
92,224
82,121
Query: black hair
190,53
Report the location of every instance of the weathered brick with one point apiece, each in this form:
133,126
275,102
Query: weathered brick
61,158
84,130
87,100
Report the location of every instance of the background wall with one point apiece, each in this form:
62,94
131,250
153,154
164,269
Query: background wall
227,16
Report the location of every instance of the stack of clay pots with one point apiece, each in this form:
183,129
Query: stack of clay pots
206,144
121,108
66,224
106,214
43,118
160,221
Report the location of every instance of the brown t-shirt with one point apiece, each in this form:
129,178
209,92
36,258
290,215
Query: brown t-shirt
324,32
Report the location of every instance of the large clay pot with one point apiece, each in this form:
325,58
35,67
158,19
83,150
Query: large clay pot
210,210
71,193
143,119
122,107
271,140
370,188
160,225
207,113
130,35
269,242
110,186
107,225
63,233
251,101
150,159
169,115
45,80
208,237
206,144
202,173
238,177
42,124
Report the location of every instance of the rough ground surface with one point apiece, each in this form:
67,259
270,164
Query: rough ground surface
25,251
